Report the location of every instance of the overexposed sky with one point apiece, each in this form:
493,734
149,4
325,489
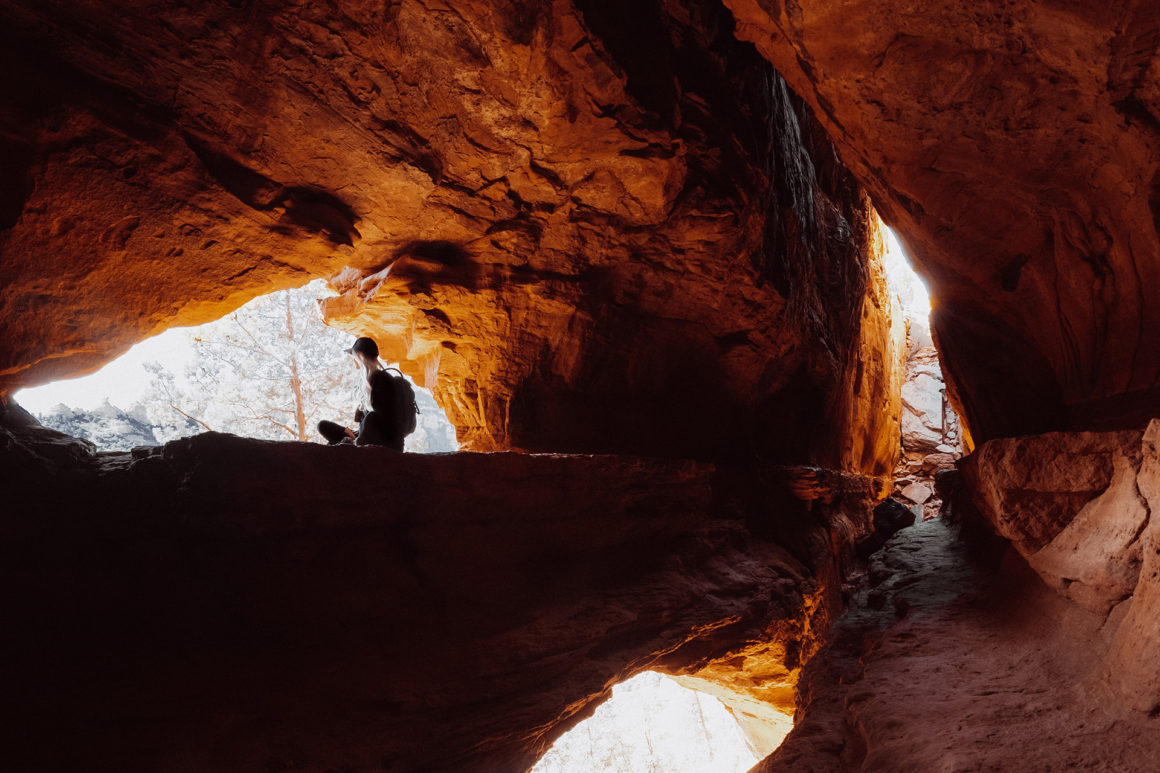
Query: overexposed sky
902,280
122,381
653,723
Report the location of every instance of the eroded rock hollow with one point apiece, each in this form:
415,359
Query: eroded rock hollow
616,233
586,228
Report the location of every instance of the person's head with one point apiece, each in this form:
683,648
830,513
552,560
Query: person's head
365,350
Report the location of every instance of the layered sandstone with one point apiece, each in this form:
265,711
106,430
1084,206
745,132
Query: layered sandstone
587,227
1016,148
221,603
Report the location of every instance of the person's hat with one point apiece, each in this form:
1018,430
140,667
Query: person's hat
364,346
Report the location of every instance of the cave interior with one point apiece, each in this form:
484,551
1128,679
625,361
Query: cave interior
635,251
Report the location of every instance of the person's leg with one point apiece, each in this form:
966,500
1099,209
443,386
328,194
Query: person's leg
374,432
334,433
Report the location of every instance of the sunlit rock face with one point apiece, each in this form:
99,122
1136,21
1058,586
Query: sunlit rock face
226,604
587,226
1015,147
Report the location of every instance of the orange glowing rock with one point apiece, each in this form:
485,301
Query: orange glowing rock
577,240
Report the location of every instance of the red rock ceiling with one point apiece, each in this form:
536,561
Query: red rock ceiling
1016,148
587,227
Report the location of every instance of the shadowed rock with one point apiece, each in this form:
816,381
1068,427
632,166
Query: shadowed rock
231,604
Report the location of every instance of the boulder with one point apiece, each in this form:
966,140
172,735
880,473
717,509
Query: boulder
1095,559
1132,670
917,436
922,396
933,463
1031,488
890,517
1079,508
918,492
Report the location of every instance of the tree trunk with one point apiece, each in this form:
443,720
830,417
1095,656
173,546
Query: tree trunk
295,378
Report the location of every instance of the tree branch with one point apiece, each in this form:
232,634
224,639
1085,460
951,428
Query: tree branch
191,418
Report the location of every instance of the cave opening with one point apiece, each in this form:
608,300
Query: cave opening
931,434
652,722
269,370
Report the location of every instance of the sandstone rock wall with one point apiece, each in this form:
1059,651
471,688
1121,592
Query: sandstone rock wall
1015,147
1079,507
229,604
588,227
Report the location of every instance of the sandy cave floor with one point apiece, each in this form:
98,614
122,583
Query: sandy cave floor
950,662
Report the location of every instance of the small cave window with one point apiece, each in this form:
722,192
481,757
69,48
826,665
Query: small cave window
903,281
651,724
269,370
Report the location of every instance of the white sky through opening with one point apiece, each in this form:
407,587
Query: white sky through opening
122,382
653,723
903,281
125,381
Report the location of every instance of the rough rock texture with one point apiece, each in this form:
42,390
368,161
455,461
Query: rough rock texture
962,655
588,227
1015,147
1031,488
945,661
220,603
931,436
1132,669
1079,509
928,420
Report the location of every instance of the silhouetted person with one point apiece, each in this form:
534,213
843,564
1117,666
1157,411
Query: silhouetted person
377,417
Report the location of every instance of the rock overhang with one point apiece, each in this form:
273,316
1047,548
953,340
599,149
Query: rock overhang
556,239
1014,148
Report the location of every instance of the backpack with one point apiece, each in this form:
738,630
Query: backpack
393,396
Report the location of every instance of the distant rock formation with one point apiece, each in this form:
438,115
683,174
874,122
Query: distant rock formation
107,427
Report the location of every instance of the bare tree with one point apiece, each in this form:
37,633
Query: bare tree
270,370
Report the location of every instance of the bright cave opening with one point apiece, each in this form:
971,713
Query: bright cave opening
270,370
652,723
931,435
